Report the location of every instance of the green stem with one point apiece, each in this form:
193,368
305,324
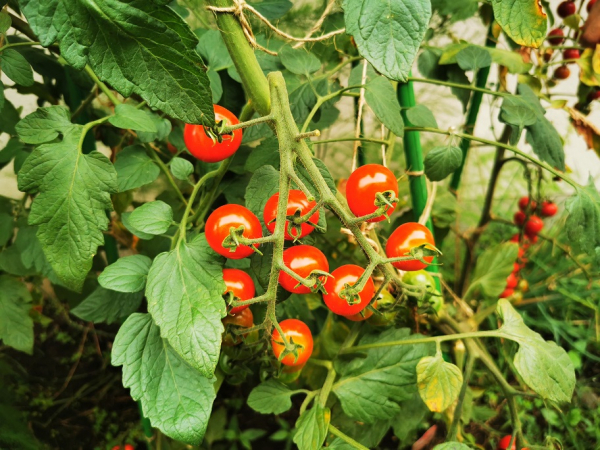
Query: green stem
167,173
115,101
246,124
477,88
19,44
453,431
336,432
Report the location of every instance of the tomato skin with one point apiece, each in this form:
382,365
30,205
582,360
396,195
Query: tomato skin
590,5
243,319
566,8
202,147
533,226
363,315
296,201
505,442
240,284
363,184
562,73
407,236
571,53
549,209
556,36
301,335
419,278
519,218
347,274
506,293
511,281
302,259
524,203
232,216
124,447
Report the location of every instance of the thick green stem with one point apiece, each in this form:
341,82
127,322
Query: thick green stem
115,101
336,432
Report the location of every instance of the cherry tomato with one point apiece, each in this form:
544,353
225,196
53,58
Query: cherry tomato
124,447
202,146
533,226
407,236
362,186
302,259
296,201
511,281
243,319
516,267
506,293
590,5
549,209
562,73
232,216
524,203
571,53
593,95
341,276
519,218
437,301
515,238
505,442
240,284
419,278
363,315
296,331
556,36
385,301
566,8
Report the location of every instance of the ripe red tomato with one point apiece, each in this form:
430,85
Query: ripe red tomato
124,447
571,53
566,8
232,216
511,281
202,146
407,236
505,442
240,284
519,218
524,203
296,331
363,315
590,5
296,201
243,319
549,209
506,293
341,276
562,73
302,259
363,184
556,36
515,238
516,267
533,226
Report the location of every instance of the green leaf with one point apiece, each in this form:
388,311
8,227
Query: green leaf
155,58
105,305
270,397
1,95
216,86
135,168
15,66
456,9
452,446
16,327
266,153
311,428
132,229
412,414
272,9
154,217
212,48
493,267
9,117
421,116
263,184
299,61
5,21
583,221
163,129
372,387
7,225
388,33
439,382
129,117
544,366
181,168
175,397
73,198
44,125
441,162
513,61
184,292
523,21
126,274
381,98
473,58
517,112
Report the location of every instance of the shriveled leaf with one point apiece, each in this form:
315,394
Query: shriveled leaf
473,58
311,427
381,98
184,292
16,327
175,397
493,267
105,305
441,162
154,217
129,117
589,66
15,66
270,397
583,221
586,129
439,382
388,33
127,274
181,168
421,116
524,21
135,168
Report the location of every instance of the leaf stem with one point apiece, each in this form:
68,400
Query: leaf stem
115,101
344,437
167,173
467,87
19,44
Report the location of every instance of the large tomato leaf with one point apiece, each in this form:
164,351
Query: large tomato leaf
583,222
16,327
105,305
524,21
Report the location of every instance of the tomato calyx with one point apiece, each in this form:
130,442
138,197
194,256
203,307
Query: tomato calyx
351,292
418,253
216,133
290,348
294,222
315,281
384,201
236,238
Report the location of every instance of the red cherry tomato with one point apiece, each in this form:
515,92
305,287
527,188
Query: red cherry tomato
533,226
302,259
124,447
341,276
506,293
515,238
562,73
363,315
593,95
516,267
232,216
296,331
512,281
240,284
556,36
505,442
362,186
590,5
243,319
571,53
567,8
524,203
549,209
407,236
202,146
296,201
521,253
519,218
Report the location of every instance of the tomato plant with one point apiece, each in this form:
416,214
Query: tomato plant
406,237
226,220
339,298
367,189
297,205
302,260
297,336
240,285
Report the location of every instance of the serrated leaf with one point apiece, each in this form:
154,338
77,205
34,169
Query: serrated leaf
140,234
371,388
583,221
441,162
421,116
153,218
299,61
127,274
129,117
181,168
544,366
381,98
270,397
105,305
388,33
452,446
311,428
70,208
135,168
493,267
473,58
439,382
16,327
15,66
175,397
155,58
44,124
184,293
524,21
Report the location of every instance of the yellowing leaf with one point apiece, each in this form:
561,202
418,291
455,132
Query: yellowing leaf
589,66
524,21
439,382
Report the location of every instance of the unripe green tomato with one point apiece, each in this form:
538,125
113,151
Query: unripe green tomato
384,302
437,301
289,374
420,278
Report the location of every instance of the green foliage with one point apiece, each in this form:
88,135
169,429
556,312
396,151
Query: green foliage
129,117
439,382
128,274
493,267
16,67
16,327
441,162
105,305
523,21
311,427
135,168
583,222
153,218
270,397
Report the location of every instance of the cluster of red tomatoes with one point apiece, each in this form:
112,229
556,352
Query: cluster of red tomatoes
505,442
531,223
371,189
